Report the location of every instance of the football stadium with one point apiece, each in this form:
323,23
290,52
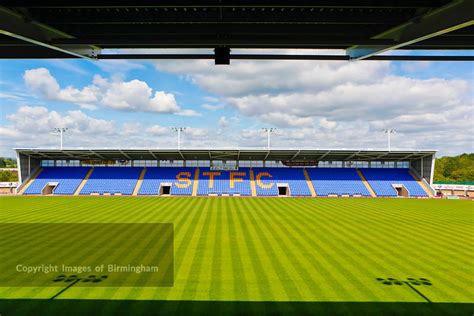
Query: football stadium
208,230
255,231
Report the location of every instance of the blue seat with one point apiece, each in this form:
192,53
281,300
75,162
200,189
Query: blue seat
382,179
337,181
155,176
112,180
68,179
221,182
294,177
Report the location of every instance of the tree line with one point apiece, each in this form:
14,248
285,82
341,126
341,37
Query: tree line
454,169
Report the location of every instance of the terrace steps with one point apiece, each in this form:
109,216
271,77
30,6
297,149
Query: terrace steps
253,188
139,182
30,181
196,182
83,182
421,184
367,185
309,183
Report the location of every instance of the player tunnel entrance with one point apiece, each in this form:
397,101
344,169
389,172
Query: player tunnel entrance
283,189
401,190
48,189
165,189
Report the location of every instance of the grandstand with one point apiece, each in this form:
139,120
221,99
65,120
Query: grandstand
257,173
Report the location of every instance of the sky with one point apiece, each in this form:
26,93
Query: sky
312,104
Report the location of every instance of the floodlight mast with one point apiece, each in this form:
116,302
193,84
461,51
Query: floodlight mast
389,132
61,131
268,130
179,130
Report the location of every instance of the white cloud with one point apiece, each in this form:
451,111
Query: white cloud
325,123
68,65
211,99
134,95
10,96
188,112
158,130
255,77
212,107
38,119
338,100
32,126
131,128
196,133
313,104
223,122
415,66
42,82
282,119
390,97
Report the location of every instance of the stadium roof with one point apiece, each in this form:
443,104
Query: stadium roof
227,154
364,28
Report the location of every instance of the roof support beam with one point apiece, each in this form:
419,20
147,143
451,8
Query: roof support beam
351,156
379,156
266,156
17,26
126,156
451,17
42,155
323,156
97,154
295,155
153,155
70,155
407,156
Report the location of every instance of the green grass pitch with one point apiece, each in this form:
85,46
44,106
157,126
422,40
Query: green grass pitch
273,255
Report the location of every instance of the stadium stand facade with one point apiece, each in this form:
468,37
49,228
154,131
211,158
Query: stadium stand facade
181,181
303,178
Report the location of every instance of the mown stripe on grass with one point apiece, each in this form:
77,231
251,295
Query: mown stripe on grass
260,219
338,255
403,259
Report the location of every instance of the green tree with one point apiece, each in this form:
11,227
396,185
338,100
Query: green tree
8,176
7,162
455,169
